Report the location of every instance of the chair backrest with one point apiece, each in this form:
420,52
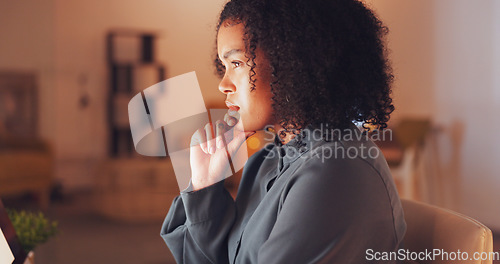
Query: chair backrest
433,228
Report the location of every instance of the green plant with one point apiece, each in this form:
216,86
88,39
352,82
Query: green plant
32,228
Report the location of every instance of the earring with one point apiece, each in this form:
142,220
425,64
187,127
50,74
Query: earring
270,129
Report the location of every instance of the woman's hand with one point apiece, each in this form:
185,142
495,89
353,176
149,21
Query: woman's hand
210,147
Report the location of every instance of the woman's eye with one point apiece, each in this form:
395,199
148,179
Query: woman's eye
236,64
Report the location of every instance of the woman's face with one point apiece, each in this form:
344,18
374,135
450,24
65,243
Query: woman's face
254,107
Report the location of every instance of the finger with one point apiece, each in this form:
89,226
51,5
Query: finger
220,127
211,147
228,134
199,138
230,120
234,114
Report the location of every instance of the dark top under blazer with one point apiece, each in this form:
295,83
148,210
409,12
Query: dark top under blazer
295,204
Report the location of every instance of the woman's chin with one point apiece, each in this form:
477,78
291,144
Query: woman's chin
254,128
248,127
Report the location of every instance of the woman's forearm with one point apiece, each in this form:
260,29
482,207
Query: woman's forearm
197,225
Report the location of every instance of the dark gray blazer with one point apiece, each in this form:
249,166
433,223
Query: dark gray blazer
309,201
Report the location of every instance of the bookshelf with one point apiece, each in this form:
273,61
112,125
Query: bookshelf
132,68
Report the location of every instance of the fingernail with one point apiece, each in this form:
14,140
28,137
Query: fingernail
212,150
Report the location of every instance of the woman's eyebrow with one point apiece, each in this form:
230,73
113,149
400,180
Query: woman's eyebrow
231,52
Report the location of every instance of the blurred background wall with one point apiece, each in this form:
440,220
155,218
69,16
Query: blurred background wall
64,43
446,58
445,53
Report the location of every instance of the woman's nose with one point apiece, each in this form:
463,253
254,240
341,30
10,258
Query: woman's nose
226,86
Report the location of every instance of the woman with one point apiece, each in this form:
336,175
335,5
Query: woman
313,196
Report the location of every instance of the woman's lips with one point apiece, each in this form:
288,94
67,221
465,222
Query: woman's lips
232,107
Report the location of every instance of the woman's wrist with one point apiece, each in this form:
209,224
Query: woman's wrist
201,184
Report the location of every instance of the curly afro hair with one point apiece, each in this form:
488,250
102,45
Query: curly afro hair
327,58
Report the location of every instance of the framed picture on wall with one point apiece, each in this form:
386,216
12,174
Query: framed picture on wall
18,104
